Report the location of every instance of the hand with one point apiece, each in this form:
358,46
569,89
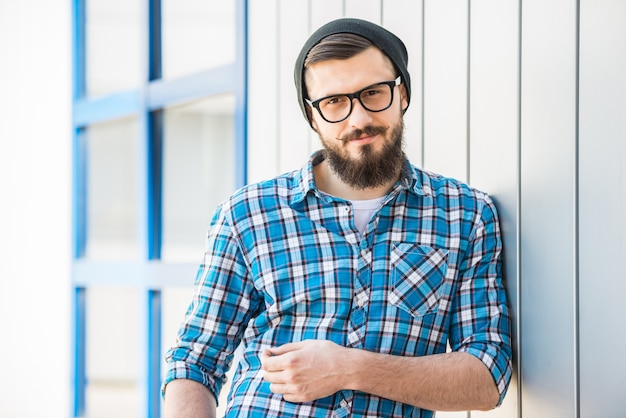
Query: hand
304,371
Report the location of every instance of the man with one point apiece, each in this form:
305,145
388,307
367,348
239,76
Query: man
345,280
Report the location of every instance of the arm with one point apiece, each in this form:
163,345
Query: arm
223,302
188,399
443,382
312,369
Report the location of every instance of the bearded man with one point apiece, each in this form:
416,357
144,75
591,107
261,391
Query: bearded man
345,281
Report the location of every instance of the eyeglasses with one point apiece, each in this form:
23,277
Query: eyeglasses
338,107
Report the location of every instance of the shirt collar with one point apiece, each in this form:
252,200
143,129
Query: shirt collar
410,179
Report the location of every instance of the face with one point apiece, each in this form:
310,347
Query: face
364,150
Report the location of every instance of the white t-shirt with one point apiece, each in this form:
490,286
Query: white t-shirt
364,210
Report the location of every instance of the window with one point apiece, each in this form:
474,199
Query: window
159,139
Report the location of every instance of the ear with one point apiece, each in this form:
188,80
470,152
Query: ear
314,125
309,113
403,97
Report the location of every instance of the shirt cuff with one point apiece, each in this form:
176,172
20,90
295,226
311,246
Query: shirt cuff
182,370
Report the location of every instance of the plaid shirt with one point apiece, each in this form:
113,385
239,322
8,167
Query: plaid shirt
285,263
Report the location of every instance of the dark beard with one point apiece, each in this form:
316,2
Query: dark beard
371,169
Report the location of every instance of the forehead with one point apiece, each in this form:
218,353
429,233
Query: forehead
347,75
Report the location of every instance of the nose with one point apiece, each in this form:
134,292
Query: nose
359,116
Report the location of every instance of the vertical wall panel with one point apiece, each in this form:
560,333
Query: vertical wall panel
445,94
323,11
364,9
494,136
548,145
263,87
293,129
602,207
404,18
445,87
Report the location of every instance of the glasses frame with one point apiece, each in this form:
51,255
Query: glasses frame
356,95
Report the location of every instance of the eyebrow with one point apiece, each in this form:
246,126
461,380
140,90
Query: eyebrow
393,78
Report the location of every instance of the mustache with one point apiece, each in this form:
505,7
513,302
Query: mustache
357,133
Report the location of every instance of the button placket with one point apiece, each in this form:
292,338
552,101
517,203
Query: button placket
358,315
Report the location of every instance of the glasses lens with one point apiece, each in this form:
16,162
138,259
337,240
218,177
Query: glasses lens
335,108
376,98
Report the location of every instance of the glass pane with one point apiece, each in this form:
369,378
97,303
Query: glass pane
197,35
198,172
113,45
112,190
113,352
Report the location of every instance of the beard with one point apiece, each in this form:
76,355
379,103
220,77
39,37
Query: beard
370,169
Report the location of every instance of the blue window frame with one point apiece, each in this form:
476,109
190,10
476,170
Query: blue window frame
146,103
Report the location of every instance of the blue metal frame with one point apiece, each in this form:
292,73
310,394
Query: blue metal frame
153,338
80,363
79,193
241,93
146,103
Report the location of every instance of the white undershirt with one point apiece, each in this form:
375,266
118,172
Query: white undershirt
364,210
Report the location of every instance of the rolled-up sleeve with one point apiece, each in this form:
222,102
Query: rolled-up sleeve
223,302
480,321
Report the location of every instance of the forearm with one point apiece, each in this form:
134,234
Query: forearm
443,382
188,399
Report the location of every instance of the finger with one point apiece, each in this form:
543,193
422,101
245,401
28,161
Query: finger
285,348
288,393
278,388
291,397
270,363
276,358
273,377
265,354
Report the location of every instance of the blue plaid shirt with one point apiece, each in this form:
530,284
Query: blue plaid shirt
284,263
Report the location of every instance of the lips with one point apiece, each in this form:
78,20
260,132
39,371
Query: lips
363,138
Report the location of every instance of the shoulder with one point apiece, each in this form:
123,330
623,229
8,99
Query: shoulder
453,193
439,184
263,196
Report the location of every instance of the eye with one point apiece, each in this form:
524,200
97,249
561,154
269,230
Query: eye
371,92
334,100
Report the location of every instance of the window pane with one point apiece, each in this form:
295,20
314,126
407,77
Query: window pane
112,190
198,172
114,50
113,352
197,35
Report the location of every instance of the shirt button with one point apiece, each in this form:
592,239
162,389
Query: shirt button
343,403
360,302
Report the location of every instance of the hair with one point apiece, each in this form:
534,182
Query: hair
336,46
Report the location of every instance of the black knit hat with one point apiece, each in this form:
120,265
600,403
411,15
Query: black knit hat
384,40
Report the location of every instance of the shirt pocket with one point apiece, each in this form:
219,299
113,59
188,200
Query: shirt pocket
417,272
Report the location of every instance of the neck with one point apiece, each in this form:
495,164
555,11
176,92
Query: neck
328,182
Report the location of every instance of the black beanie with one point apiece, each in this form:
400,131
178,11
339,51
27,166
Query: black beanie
384,40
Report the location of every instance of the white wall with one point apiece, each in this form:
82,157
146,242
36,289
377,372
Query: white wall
35,219
525,100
